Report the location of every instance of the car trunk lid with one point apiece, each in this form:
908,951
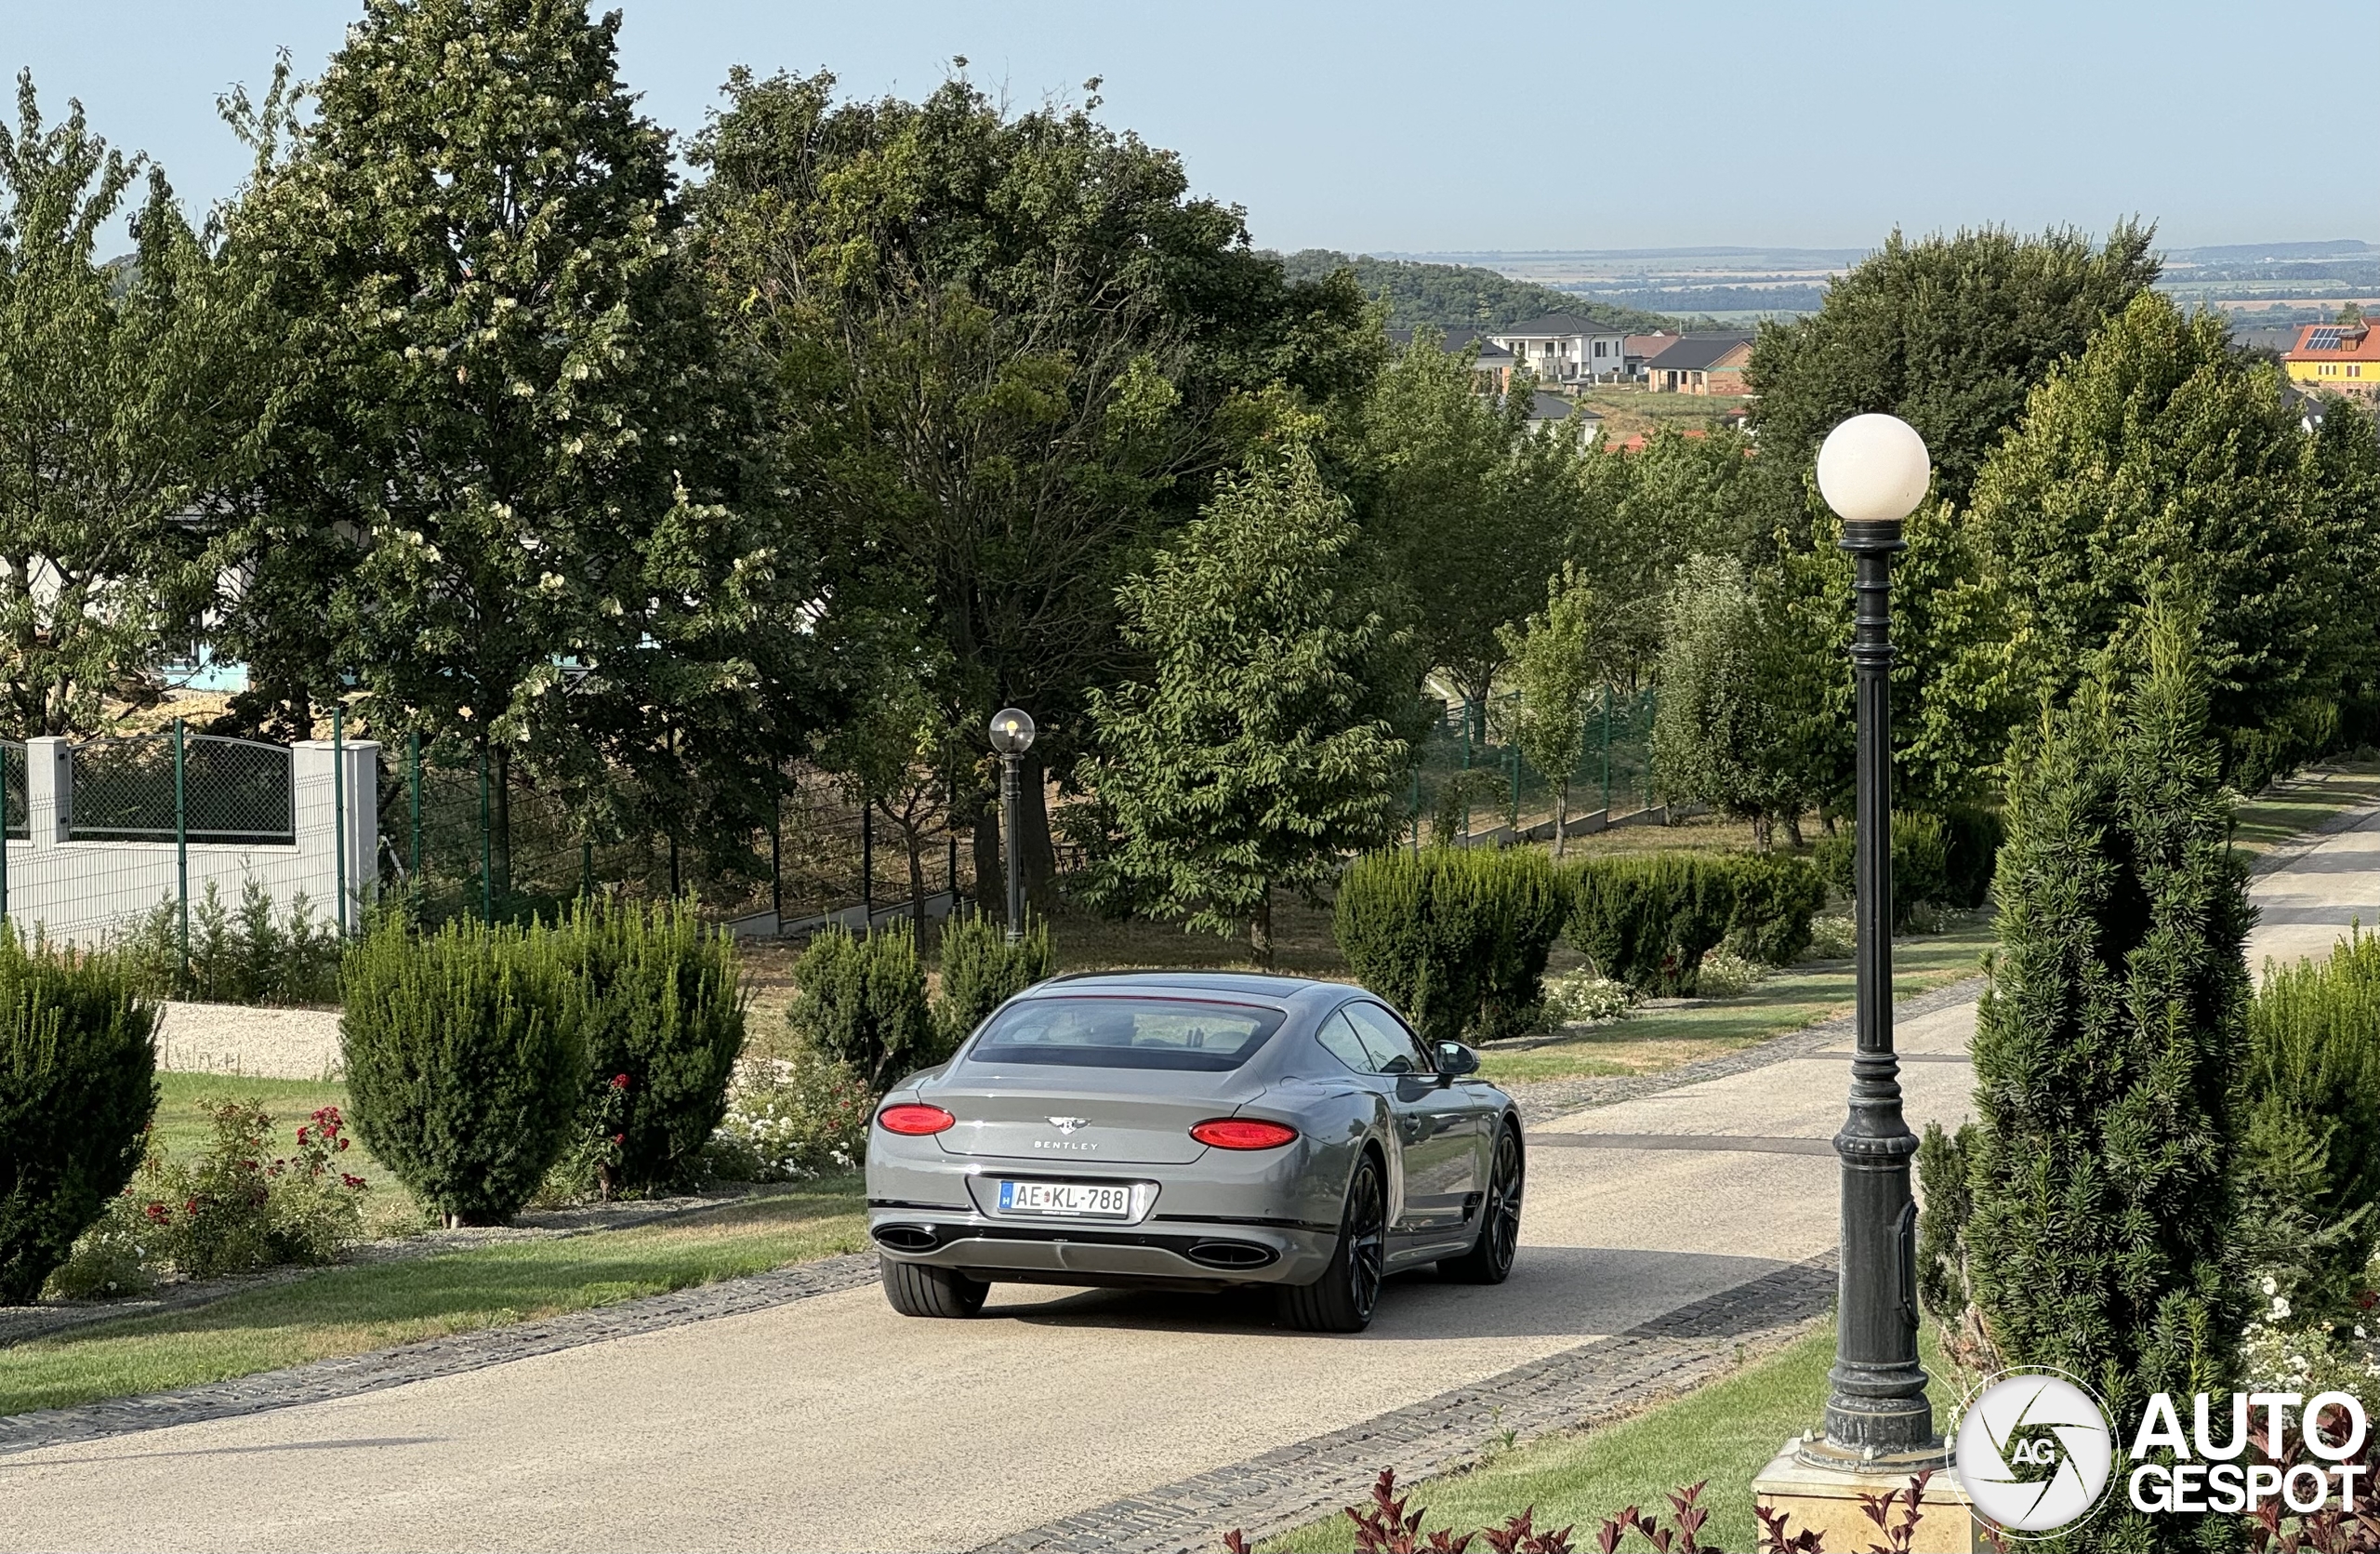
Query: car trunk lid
1079,1116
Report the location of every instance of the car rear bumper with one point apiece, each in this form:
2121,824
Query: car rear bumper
1160,1251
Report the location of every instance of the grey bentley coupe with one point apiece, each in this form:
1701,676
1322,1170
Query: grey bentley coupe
1189,1130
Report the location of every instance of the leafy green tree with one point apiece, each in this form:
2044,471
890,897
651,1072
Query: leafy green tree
1554,670
118,421
1256,756
1468,507
1010,354
1719,736
508,404
2109,1053
1948,333
2163,460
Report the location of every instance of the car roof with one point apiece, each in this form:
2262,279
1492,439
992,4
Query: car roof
1250,984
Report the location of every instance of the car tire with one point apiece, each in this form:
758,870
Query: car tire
921,1290
1489,1261
1342,1300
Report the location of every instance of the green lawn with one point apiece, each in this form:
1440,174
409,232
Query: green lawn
1719,1436
347,1311
1796,997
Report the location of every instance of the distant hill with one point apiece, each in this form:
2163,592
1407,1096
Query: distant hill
1460,299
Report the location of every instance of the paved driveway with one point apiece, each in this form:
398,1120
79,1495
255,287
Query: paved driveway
830,1422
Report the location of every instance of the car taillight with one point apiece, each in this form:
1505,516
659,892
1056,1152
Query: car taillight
1242,1132
914,1120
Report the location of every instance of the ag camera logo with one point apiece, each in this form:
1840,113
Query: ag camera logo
2034,1450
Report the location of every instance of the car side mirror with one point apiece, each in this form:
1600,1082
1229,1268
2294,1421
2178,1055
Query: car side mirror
1456,1060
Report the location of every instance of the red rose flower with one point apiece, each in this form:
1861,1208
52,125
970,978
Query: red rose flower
619,1081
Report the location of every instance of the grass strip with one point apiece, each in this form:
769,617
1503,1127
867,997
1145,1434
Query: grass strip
1794,998
1719,1436
349,1310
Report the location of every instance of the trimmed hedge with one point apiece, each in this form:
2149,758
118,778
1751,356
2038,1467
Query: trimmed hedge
1775,896
862,1002
1456,938
2310,1154
981,971
465,1061
1648,921
664,1004
78,1086
1921,863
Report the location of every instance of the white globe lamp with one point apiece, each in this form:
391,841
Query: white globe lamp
1874,468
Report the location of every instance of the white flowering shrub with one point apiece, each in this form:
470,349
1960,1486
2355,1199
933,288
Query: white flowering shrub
1728,975
1832,938
790,1119
1582,998
2281,1350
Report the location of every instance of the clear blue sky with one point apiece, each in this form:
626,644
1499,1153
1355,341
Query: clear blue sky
1392,125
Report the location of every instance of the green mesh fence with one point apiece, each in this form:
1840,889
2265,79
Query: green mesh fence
208,790
1472,780
12,784
468,842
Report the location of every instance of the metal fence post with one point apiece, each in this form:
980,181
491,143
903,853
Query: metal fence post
1606,753
182,836
4,821
867,865
487,861
413,782
338,805
776,858
586,866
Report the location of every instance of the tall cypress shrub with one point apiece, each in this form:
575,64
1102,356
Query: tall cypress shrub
663,1024
2105,1055
862,1000
465,1057
981,971
78,1085
1648,921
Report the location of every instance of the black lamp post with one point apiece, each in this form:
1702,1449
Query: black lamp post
1011,737
1873,470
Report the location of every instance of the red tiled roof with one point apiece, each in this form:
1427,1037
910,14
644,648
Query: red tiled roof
1636,444
2357,342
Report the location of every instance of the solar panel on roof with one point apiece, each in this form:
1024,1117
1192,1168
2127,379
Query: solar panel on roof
2323,339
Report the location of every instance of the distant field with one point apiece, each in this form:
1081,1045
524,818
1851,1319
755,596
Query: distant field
1626,411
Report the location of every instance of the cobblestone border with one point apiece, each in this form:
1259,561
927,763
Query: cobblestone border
348,1375
1543,1100
1594,1383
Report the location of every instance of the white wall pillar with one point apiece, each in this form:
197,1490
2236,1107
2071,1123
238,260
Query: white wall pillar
320,786
49,776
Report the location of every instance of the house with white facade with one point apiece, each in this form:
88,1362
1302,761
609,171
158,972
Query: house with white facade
1566,348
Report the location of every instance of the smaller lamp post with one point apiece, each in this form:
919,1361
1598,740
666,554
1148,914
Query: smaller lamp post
1011,737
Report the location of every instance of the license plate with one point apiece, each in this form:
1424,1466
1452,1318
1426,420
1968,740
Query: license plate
1089,1200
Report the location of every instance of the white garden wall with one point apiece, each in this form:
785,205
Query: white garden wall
83,892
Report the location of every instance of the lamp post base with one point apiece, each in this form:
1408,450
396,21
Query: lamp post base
1827,1495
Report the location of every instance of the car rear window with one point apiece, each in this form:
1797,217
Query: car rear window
1109,1031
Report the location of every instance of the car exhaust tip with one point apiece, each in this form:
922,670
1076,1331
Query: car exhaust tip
906,1238
1231,1254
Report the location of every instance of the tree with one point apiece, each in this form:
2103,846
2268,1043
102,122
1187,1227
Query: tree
1010,354
1554,670
2108,1053
2163,460
1469,508
116,423
1948,333
1459,300
1719,738
1256,756
895,755
1638,516
509,409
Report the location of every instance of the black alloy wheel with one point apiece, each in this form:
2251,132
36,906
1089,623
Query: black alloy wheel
1342,1300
